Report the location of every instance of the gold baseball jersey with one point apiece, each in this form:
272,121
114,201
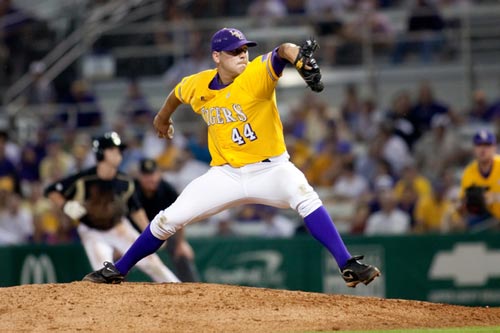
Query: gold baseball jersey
243,122
472,176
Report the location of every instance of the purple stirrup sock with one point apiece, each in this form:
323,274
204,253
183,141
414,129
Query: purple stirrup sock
321,227
143,246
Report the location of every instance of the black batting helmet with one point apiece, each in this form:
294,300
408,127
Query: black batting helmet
108,140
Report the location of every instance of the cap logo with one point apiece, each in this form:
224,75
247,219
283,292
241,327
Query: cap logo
236,34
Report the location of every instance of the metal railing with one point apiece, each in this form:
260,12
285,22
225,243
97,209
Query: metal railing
105,18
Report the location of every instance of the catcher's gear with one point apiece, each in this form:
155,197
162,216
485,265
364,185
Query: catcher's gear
475,201
311,74
104,209
74,209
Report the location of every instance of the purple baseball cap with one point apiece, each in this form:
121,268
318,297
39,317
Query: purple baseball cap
229,39
484,137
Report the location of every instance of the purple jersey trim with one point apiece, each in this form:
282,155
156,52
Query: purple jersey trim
278,62
215,84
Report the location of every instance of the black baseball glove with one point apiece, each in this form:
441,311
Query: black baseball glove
475,202
311,75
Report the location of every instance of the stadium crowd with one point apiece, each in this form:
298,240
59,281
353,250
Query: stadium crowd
380,169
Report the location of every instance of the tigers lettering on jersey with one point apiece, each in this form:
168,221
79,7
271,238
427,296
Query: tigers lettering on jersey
242,118
223,115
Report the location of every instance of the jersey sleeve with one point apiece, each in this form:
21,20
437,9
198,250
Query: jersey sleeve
184,90
261,77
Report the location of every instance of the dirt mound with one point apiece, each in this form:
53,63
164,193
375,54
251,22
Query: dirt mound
199,307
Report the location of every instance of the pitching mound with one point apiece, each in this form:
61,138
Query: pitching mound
198,307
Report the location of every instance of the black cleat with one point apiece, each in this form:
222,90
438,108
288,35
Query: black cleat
355,272
108,274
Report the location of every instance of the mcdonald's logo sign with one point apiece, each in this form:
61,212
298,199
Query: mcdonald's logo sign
38,270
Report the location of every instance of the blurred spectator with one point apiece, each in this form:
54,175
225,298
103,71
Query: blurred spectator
194,61
295,7
480,111
201,9
16,220
349,186
275,224
439,148
225,228
135,107
330,12
398,114
434,212
324,166
390,220
391,148
265,12
8,170
57,163
12,150
198,145
368,120
411,177
80,109
351,106
370,26
185,169
312,121
494,111
410,188
424,33
369,204
373,167
132,154
29,169
426,107
82,152
327,17
300,151
51,225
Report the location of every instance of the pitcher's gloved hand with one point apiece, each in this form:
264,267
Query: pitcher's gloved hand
307,66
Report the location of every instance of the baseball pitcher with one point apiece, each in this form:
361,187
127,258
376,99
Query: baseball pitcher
250,163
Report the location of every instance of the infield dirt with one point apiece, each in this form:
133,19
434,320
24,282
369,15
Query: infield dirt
203,307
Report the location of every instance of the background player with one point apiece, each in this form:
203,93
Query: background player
480,190
100,198
154,193
250,163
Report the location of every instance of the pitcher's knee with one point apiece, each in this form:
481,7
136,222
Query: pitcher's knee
309,205
162,227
